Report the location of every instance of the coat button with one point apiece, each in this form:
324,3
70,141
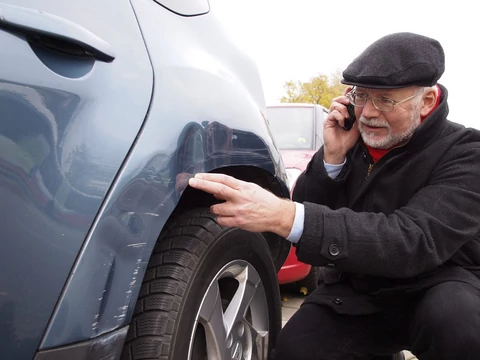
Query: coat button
337,301
333,250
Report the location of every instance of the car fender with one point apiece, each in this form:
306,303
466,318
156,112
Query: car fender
206,115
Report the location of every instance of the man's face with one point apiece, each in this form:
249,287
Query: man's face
385,130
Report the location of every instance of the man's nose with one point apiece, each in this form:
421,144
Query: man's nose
369,110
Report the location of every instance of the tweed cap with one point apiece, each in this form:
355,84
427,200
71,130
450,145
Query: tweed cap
397,60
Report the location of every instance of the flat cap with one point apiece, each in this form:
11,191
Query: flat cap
397,60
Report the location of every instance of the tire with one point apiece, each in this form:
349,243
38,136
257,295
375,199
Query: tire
206,283
310,283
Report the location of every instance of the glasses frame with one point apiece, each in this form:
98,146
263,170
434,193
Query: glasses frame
352,95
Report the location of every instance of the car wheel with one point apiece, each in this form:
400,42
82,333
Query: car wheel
310,283
209,292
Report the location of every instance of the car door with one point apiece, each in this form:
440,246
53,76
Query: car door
75,87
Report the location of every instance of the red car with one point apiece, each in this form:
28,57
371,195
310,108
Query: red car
298,132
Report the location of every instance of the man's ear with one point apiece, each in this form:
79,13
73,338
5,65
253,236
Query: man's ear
429,100
348,89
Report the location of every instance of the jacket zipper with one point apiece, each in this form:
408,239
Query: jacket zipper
369,170
370,166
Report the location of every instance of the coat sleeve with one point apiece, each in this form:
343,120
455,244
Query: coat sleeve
440,220
316,186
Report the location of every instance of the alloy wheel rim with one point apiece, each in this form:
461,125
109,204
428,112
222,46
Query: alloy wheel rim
237,330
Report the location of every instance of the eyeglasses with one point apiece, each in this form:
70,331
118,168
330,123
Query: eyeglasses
380,103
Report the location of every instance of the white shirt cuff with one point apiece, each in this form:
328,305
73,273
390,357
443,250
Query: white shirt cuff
297,228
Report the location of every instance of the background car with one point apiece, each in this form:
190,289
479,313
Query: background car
106,110
298,132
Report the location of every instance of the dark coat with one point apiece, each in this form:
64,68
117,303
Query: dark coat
409,222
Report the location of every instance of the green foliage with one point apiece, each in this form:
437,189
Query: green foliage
320,89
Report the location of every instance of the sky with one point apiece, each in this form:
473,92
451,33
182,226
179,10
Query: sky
299,39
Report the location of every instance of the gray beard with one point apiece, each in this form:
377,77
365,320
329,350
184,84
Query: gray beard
391,140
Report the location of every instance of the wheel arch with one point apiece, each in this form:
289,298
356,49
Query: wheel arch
191,198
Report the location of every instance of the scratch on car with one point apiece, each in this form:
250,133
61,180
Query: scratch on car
95,323
137,244
151,214
104,348
124,309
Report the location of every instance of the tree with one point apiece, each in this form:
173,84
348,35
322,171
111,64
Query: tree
320,89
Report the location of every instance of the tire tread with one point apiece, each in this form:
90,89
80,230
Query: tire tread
171,265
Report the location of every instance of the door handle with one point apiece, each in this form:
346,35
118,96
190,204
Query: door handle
54,32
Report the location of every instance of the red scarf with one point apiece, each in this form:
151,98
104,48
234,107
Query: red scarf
376,154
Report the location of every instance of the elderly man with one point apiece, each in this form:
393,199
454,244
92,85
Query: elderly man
389,209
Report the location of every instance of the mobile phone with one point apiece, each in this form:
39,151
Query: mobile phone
348,123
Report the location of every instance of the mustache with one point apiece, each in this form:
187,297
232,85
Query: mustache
375,122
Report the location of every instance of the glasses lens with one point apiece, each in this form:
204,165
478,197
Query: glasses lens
358,100
383,104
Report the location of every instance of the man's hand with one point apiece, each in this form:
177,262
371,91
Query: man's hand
338,141
247,206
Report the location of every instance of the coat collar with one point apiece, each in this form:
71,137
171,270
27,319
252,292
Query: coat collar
433,125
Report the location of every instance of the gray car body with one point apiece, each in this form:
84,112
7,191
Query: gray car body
90,150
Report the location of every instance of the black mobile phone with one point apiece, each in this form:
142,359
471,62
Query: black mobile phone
348,123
